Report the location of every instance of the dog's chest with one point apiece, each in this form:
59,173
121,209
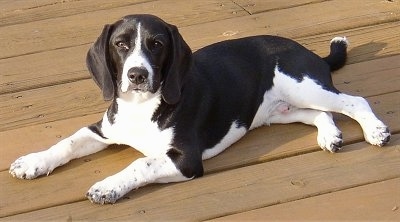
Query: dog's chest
133,126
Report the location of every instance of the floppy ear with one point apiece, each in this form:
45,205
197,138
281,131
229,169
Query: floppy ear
179,62
98,63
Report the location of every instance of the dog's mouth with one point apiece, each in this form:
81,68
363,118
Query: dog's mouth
134,88
138,88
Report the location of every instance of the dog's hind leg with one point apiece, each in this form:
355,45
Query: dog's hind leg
310,95
329,136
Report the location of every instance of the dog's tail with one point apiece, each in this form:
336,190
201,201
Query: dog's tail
337,57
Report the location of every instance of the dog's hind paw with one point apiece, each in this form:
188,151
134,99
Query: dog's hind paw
330,139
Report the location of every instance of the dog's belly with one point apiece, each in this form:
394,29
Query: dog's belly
234,134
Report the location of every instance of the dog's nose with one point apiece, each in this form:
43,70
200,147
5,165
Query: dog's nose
137,75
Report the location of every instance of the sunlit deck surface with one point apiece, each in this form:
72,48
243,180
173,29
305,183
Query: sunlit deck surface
273,173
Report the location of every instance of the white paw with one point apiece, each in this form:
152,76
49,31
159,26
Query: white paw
29,166
377,135
107,191
330,139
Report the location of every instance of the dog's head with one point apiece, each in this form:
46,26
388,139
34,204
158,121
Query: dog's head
139,54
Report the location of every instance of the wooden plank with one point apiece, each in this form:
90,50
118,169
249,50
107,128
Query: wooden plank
257,6
43,69
68,65
42,105
300,21
264,144
373,202
48,34
25,11
228,192
50,104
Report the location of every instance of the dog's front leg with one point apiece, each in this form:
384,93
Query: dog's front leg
82,143
139,173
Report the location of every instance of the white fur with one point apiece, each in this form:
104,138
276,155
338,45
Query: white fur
136,59
340,39
133,126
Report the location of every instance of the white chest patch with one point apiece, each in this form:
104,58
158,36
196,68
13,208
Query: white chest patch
133,126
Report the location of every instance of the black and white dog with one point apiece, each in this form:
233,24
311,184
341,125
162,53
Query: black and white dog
179,108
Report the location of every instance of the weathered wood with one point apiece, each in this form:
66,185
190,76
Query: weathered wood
366,43
243,189
43,69
271,169
44,35
372,202
264,144
68,65
257,6
57,102
48,35
25,11
300,21
50,104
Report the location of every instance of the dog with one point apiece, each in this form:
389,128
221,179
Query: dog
179,108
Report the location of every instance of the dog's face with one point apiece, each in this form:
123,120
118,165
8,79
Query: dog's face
139,54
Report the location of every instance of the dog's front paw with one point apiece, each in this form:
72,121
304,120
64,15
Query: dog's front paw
29,167
378,135
330,139
107,191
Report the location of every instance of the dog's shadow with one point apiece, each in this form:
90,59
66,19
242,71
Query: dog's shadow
364,52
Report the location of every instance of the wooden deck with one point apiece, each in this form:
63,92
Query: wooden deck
274,173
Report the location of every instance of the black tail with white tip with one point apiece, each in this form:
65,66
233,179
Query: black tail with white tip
337,57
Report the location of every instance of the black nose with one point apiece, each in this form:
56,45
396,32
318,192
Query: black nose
138,75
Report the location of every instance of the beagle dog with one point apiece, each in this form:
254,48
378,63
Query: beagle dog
179,108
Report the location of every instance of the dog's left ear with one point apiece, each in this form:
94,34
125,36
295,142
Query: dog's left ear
98,63
178,65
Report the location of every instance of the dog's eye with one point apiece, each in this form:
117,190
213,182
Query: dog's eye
155,45
122,45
